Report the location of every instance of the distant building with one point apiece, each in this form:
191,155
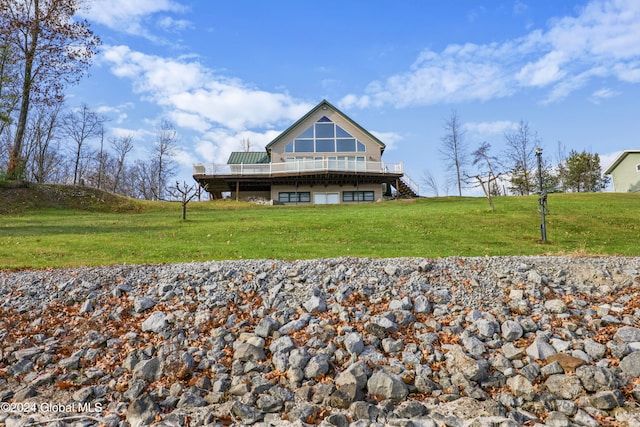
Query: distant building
323,158
625,171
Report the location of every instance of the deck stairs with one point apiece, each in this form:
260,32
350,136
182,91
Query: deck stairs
407,188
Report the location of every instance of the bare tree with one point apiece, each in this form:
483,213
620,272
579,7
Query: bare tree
486,178
431,183
454,150
52,50
164,151
43,156
79,126
122,146
246,144
142,176
102,160
8,86
184,194
520,155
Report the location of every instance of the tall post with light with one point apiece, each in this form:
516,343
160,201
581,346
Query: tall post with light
542,199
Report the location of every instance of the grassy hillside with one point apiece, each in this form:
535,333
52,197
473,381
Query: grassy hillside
19,196
106,229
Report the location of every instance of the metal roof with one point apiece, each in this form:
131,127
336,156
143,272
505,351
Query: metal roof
248,157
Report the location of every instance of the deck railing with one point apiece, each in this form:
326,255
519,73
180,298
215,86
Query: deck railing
324,165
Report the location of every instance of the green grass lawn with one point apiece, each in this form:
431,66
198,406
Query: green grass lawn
582,224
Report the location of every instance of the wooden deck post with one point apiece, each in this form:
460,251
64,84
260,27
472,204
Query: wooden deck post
237,190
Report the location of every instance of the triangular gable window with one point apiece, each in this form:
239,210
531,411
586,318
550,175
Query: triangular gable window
324,136
307,133
341,133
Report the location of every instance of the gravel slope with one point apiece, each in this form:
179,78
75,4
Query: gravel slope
347,342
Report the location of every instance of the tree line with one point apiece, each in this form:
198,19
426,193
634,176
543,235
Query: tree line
515,170
43,50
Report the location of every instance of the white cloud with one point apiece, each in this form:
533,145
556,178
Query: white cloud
489,129
169,24
607,159
601,41
604,93
129,15
117,111
390,139
197,97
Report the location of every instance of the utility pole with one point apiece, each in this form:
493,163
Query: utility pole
542,199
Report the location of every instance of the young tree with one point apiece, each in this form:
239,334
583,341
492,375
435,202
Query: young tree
454,150
486,178
520,155
163,163
80,126
51,49
581,172
184,194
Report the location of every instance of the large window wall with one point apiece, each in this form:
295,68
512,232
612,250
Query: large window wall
324,136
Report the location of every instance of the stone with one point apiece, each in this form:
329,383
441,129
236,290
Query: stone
248,352
568,362
603,400
597,378
470,368
520,386
540,349
421,305
473,345
552,368
557,419
86,307
556,306
337,420
511,330
156,322
486,328
411,410
141,304
142,411
190,400
627,334
381,327
266,326
283,345
269,403
317,365
564,386
582,418
354,343
387,385
315,304
594,349
149,370
630,364
248,414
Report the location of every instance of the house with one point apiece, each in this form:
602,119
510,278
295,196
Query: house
625,171
325,157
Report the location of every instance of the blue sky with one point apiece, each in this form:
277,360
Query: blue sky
226,71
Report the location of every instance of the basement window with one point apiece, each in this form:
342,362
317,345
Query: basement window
358,196
294,197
